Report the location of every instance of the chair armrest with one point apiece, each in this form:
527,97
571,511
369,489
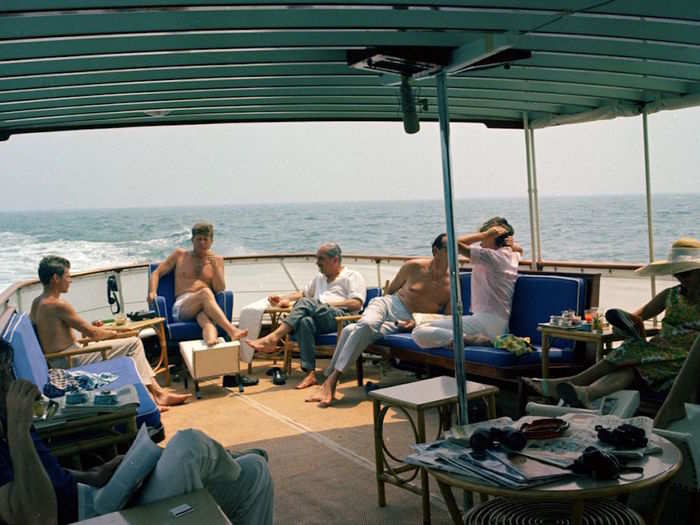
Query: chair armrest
342,319
225,301
160,307
76,351
120,335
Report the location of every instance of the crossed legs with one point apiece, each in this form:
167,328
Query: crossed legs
596,381
202,306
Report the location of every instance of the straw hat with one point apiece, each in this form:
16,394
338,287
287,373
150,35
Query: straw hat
684,257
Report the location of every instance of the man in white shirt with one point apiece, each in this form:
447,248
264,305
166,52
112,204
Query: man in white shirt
494,273
335,291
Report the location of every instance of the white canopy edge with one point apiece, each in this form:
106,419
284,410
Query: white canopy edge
618,109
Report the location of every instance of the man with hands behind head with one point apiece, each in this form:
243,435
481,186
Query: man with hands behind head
199,275
494,272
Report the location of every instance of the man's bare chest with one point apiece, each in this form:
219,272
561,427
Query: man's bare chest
193,268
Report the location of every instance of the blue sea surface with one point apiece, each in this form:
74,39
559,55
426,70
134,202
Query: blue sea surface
581,228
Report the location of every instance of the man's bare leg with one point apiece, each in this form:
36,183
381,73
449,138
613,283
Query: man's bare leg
268,344
165,398
209,332
204,301
326,394
309,380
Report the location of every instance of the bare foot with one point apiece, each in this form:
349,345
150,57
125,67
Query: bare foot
326,395
266,345
171,398
162,408
309,380
237,333
211,342
477,340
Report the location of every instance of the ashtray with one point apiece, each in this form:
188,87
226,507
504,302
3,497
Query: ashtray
76,398
106,397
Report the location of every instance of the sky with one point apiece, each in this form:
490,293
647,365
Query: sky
307,162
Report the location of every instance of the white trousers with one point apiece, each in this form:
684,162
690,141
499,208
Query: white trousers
379,319
438,333
129,346
242,487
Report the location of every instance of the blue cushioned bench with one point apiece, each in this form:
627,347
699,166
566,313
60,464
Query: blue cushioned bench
536,297
30,364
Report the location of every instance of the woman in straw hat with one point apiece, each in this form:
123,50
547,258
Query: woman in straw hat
657,361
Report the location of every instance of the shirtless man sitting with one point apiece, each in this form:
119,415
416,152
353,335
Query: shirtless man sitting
421,285
55,319
199,274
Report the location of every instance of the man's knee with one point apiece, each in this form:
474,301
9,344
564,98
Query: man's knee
206,294
307,326
186,441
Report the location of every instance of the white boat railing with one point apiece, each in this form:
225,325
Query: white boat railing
256,276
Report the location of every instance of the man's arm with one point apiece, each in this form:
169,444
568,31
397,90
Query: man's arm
349,304
401,277
285,300
218,283
163,268
30,497
66,313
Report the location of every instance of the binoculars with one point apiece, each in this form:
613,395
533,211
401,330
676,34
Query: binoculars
507,437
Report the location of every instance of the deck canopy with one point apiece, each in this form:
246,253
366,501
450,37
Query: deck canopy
81,64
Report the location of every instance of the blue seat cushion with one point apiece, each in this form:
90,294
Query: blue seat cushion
480,354
125,368
29,361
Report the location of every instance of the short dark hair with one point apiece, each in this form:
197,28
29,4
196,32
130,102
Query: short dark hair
332,249
439,243
499,221
203,228
50,265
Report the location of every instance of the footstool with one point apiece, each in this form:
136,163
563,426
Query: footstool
206,362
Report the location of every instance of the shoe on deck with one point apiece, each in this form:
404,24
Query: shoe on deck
229,381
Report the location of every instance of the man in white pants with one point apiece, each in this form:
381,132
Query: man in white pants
55,319
494,272
421,285
34,488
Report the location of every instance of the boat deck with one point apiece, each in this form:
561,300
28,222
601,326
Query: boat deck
322,460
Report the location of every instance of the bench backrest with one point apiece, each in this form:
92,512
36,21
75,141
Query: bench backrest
536,297
29,360
372,292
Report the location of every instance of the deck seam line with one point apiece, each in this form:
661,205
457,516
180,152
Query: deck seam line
329,443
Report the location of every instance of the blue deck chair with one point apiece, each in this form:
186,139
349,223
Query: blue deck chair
325,343
177,331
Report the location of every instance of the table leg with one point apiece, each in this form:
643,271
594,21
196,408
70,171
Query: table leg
491,406
660,502
379,453
598,351
163,362
425,482
577,513
451,503
545,355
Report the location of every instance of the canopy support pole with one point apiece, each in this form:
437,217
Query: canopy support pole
536,195
647,175
530,203
455,291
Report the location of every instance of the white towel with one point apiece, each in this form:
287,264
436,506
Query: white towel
251,319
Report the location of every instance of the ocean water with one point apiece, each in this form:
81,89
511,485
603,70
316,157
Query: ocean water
581,228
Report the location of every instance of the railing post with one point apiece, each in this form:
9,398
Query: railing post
647,178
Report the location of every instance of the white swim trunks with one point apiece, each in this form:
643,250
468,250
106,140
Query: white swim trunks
178,304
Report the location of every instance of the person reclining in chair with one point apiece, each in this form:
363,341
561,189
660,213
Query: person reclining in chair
421,285
199,274
494,273
657,361
334,291
55,319
36,490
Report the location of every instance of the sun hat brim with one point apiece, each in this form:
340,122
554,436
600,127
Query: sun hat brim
668,267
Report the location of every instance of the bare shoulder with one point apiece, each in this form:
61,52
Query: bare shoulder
416,265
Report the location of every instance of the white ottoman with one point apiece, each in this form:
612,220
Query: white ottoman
206,362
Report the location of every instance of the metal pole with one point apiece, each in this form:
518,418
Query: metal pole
530,204
535,194
647,175
455,291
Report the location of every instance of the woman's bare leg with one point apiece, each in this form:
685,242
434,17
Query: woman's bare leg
548,387
609,383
